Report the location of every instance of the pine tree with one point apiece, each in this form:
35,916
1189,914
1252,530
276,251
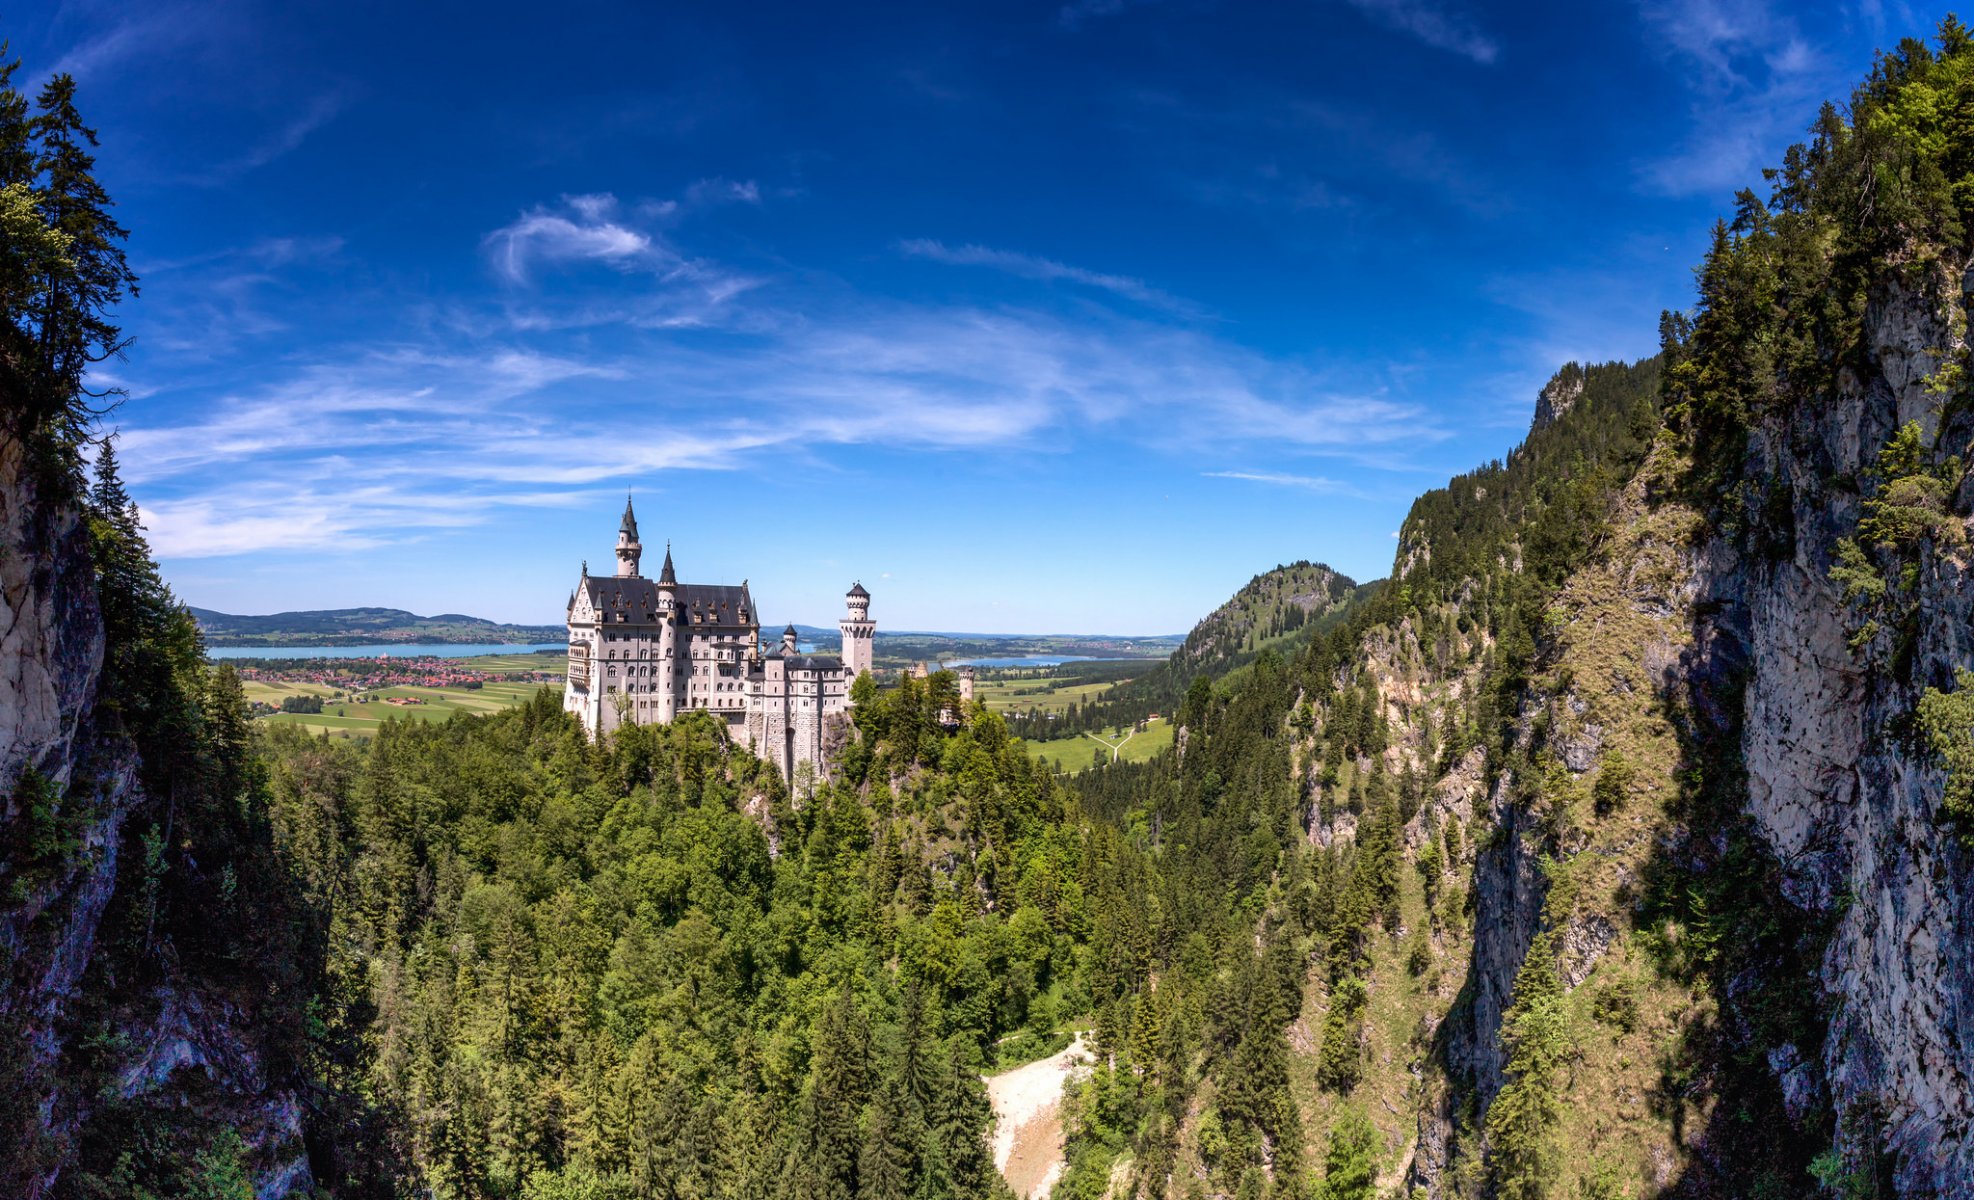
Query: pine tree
1350,1165
74,331
888,1163
822,1162
1521,1123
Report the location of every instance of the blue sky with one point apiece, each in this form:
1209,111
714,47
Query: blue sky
1032,316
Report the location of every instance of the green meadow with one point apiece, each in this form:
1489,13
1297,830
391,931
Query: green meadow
1073,754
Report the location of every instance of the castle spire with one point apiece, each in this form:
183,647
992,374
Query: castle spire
667,577
628,547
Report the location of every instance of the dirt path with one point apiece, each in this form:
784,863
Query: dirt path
1028,1119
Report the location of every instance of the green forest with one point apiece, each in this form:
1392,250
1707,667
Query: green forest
488,957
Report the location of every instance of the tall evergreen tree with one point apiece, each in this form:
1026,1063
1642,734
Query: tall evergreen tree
75,330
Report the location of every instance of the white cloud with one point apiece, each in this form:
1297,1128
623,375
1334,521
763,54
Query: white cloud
398,443
546,391
589,234
1434,25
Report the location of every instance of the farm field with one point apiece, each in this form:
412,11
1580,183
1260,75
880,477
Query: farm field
1050,689
347,718
1073,754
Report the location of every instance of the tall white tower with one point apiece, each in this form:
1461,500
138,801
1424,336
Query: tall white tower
628,547
858,630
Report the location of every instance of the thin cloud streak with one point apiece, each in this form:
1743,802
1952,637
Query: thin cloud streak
1046,270
322,110
1434,25
1308,483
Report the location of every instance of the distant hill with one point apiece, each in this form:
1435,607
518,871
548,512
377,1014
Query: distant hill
363,627
1276,610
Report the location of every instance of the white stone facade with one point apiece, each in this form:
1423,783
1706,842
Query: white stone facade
644,651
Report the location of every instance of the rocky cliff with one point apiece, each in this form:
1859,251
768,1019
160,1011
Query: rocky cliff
1843,794
75,811
1690,644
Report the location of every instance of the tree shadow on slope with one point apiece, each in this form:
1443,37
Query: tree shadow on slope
1712,914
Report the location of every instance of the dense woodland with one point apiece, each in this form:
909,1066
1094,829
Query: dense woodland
498,960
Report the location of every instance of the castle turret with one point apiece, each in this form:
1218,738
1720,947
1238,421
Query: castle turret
858,631
790,640
629,549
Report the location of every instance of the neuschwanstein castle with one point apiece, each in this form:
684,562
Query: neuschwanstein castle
644,651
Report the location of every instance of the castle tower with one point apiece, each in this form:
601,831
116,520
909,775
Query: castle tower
628,547
673,659
858,630
790,640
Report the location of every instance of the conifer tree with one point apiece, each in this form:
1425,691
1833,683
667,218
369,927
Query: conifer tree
74,329
1350,1165
1522,1121
822,1163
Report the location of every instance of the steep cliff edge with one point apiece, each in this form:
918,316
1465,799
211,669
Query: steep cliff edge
1844,794
109,1049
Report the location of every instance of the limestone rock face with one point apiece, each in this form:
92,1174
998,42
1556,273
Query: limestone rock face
1557,396
1849,805
54,741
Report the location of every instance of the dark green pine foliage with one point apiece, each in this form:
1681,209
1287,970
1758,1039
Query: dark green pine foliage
60,298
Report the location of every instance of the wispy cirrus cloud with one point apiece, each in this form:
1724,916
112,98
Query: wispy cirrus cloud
1434,24
1046,270
1755,82
283,141
597,230
504,426
1308,483
544,391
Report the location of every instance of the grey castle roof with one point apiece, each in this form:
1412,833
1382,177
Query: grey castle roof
789,632
857,590
668,576
629,523
698,604
808,662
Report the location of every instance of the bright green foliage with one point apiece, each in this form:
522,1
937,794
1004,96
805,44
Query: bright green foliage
1947,720
1521,1123
1350,1166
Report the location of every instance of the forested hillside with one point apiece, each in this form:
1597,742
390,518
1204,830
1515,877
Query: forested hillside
360,627
1278,610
